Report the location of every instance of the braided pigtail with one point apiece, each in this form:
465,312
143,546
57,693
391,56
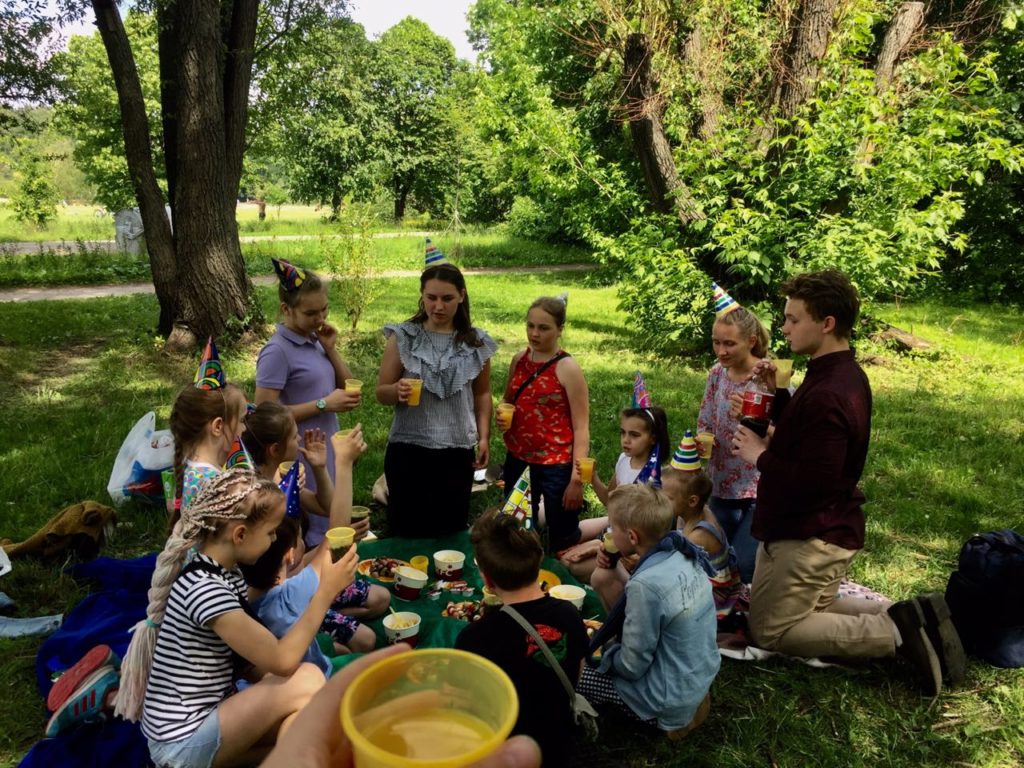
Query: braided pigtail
223,498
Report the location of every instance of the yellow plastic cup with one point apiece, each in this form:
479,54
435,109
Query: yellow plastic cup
353,385
417,390
783,372
587,469
705,442
361,513
435,707
420,563
506,412
285,467
340,540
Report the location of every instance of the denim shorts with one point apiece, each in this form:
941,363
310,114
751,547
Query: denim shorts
195,751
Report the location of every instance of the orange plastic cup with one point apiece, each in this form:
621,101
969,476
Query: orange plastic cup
587,469
353,385
705,442
783,372
506,411
417,389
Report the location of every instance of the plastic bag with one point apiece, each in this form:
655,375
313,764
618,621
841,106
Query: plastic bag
144,454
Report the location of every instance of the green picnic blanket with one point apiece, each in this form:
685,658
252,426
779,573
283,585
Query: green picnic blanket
437,631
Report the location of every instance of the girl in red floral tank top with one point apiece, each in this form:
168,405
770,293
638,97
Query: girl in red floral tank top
550,427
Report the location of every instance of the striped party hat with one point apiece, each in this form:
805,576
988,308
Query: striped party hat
238,456
650,473
434,255
290,276
290,485
641,397
686,458
210,373
519,504
724,303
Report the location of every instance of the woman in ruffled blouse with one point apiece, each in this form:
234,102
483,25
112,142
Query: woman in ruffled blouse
434,447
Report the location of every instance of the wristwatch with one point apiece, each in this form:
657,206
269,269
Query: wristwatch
321,404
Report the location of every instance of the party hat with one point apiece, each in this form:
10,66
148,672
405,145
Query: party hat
641,397
290,485
519,503
291,277
434,256
651,471
724,303
686,458
238,456
210,373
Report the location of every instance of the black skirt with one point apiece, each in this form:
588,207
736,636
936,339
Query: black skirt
428,489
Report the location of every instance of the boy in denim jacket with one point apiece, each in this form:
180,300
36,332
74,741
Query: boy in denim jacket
661,670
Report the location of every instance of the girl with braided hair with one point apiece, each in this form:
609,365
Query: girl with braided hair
179,673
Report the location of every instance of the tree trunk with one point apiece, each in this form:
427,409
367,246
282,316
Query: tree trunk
807,39
167,52
401,196
240,44
159,243
335,204
709,81
902,28
262,209
213,285
644,107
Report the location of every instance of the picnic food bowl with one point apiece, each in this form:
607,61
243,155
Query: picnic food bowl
409,582
448,564
402,627
569,592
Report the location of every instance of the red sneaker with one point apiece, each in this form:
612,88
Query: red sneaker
97,657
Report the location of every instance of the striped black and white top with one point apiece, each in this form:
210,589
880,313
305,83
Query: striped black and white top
192,666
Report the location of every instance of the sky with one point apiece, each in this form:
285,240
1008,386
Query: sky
445,17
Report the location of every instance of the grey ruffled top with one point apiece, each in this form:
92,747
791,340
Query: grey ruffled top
445,417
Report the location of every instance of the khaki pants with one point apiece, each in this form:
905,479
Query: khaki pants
793,608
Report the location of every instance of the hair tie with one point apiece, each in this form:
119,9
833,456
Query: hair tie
152,624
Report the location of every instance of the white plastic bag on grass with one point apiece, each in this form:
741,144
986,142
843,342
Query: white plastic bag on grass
144,454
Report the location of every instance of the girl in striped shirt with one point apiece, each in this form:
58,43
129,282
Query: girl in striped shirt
181,668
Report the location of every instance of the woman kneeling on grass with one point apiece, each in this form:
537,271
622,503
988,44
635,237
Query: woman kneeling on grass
198,617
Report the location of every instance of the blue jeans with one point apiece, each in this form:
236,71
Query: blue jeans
735,515
548,481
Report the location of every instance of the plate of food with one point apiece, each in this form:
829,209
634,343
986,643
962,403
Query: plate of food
380,568
467,610
547,579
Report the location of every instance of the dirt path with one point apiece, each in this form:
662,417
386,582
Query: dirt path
70,246
57,293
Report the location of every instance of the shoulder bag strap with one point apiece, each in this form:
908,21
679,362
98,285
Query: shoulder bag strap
536,374
521,621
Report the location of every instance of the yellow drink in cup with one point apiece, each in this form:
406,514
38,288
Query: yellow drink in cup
417,390
783,372
504,416
587,469
340,541
705,442
353,385
436,707
420,563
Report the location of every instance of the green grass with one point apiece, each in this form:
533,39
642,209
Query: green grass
86,266
947,432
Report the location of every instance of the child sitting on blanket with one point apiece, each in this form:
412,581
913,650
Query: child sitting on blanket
280,600
509,558
661,670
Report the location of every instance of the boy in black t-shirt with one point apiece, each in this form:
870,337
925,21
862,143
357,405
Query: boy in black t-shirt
509,558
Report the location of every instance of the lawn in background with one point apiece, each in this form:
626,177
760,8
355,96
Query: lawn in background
947,433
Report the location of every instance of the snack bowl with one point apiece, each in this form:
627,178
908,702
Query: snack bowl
402,627
449,563
409,582
569,592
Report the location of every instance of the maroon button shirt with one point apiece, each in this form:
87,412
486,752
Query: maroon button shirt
810,471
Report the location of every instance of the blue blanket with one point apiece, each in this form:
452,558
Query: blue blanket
102,617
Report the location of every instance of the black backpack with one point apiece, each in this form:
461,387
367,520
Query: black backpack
986,597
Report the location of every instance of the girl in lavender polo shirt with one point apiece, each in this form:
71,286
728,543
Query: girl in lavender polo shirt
300,367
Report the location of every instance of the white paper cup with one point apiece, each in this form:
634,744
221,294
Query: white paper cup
569,592
409,582
449,563
403,627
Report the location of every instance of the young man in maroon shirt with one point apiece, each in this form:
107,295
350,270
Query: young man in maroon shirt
808,515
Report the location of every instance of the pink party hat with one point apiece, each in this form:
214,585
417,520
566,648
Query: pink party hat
641,397
210,373
519,504
686,458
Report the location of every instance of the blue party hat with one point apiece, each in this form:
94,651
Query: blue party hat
290,486
651,471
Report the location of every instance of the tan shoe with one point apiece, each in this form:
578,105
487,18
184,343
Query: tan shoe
698,719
